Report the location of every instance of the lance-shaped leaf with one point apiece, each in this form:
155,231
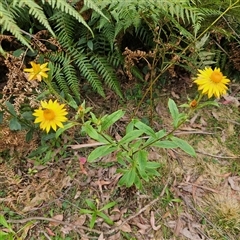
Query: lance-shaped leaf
111,119
184,146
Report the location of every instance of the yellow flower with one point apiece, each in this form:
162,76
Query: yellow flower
50,115
37,71
212,82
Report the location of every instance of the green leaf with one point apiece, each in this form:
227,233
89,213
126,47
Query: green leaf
17,53
38,151
1,117
71,102
133,135
7,235
105,218
111,119
135,145
165,144
11,109
4,223
173,109
141,157
91,132
208,103
91,204
160,134
128,178
14,124
100,152
107,206
90,44
130,127
29,135
93,220
153,165
85,211
65,127
138,182
152,172
28,115
145,128
184,146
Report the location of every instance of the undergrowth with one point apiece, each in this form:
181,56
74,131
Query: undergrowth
128,171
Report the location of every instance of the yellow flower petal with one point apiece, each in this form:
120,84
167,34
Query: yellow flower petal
37,71
50,115
212,82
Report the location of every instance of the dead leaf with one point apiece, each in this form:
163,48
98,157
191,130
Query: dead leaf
77,195
124,227
83,170
193,119
66,182
101,237
50,232
36,201
175,95
191,235
179,226
231,100
79,221
116,236
232,181
143,227
152,221
58,217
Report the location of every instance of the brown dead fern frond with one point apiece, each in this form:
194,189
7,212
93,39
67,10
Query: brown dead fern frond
133,57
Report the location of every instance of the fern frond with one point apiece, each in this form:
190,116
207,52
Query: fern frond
72,80
106,72
65,25
65,74
88,72
36,11
7,22
93,6
67,8
60,80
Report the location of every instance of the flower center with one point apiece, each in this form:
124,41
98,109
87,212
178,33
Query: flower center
216,77
48,114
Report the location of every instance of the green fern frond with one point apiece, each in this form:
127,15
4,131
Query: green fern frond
106,72
65,25
67,8
88,72
65,74
7,23
93,6
115,58
36,11
72,80
60,80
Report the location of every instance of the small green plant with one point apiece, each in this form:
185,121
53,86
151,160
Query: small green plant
95,212
132,148
7,233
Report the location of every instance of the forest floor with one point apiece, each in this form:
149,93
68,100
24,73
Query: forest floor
194,198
